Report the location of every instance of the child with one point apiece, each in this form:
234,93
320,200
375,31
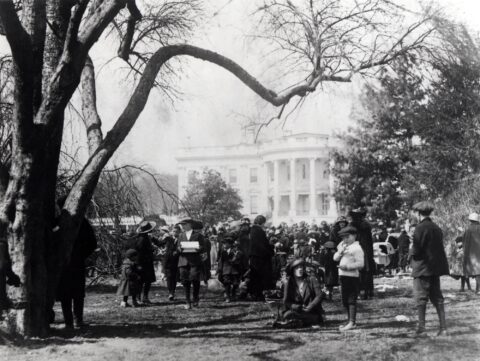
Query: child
351,259
230,268
456,262
331,267
130,279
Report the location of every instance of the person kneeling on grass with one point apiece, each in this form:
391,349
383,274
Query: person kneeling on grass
130,279
302,298
351,260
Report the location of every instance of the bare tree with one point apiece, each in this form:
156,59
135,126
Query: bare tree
47,68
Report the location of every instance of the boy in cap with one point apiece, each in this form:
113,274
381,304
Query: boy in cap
351,260
429,262
230,268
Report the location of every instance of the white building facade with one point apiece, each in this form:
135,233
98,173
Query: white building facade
286,178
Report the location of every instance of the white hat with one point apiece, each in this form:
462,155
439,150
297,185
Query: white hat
473,217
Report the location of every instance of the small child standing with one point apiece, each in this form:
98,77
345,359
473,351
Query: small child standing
331,267
130,279
351,259
230,268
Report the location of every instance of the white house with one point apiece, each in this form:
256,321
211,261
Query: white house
262,172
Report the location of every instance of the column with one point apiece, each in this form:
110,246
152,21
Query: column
332,208
293,196
263,206
313,189
276,190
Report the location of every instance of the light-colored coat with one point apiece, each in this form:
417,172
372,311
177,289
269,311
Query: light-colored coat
351,258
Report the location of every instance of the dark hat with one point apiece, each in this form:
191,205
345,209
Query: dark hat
197,225
347,230
424,207
292,265
146,227
358,212
330,245
245,220
228,240
131,253
342,219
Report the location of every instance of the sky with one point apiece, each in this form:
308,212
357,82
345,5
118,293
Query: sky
214,104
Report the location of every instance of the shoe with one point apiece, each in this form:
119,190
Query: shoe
124,304
78,325
420,332
347,327
195,303
227,300
68,327
146,301
188,306
171,297
442,332
136,304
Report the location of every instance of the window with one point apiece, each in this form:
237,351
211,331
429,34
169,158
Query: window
253,175
304,171
232,175
191,175
254,204
324,203
326,174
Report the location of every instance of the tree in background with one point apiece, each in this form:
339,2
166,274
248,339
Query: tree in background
210,199
416,139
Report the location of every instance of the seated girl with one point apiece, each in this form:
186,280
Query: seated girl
302,298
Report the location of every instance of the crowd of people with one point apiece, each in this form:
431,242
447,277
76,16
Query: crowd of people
298,265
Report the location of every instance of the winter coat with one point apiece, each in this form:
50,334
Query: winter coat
72,279
230,262
146,250
170,260
130,279
192,259
428,252
259,244
310,299
471,249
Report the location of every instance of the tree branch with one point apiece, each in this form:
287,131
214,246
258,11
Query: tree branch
17,36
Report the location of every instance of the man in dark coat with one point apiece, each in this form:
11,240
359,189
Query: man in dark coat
471,247
429,262
71,289
190,261
365,238
260,259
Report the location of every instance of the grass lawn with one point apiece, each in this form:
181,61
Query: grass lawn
240,330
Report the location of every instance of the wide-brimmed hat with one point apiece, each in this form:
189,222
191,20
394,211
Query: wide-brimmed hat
146,227
347,230
425,207
294,264
473,217
187,220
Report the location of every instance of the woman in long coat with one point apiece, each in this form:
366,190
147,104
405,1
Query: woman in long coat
144,247
365,238
471,241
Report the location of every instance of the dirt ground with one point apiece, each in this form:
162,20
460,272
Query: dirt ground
241,330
